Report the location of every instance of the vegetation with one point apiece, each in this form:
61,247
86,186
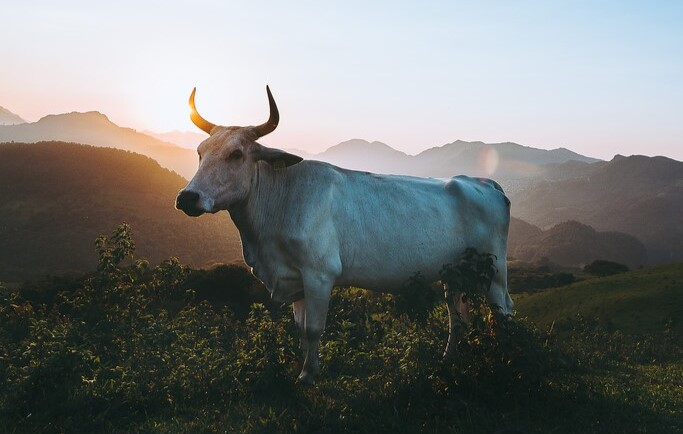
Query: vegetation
134,348
645,301
604,268
531,279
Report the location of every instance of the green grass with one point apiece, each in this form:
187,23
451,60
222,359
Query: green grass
637,302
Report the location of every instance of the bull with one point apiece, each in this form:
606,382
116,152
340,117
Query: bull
308,226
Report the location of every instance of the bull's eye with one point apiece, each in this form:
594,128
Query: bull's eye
235,155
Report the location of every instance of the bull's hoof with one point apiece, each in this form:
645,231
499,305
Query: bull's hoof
306,378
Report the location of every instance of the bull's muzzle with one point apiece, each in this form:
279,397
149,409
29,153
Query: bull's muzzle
188,202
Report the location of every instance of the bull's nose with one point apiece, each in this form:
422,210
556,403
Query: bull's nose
187,202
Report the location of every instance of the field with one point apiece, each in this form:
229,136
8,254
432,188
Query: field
136,348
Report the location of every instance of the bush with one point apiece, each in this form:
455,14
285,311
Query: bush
602,268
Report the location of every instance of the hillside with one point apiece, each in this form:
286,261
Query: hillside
573,244
638,302
637,195
186,139
58,197
94,128
9,118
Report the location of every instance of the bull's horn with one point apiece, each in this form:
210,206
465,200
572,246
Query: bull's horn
272,121
202,123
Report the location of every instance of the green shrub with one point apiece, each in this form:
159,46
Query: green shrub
602,268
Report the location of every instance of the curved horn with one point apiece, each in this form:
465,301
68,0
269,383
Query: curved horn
202,123
272,121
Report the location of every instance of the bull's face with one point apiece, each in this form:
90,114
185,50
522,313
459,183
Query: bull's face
228,162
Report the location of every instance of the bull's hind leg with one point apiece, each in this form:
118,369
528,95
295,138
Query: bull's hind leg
458,317
498,295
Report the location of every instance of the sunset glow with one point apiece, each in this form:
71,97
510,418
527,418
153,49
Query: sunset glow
599,79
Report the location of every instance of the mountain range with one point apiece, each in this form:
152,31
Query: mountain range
94,128
9,118
509,163
638,196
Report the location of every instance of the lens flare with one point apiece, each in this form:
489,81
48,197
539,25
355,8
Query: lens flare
488,162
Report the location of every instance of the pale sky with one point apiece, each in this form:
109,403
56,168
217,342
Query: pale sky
598,77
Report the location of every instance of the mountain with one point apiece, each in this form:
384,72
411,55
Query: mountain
510,164
573,244
58,197
636,195
186,139
94,128
360,154
498,160
9,118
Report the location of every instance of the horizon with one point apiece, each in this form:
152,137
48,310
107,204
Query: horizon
599,80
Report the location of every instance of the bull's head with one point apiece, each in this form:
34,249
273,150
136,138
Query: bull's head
228,162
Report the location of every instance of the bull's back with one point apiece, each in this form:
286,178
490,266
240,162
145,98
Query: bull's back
390,227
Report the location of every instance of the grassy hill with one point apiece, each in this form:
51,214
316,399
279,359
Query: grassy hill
637,302
58,197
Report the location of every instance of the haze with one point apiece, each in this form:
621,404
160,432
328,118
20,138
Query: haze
598,78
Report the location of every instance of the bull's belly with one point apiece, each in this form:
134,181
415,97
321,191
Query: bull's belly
388,275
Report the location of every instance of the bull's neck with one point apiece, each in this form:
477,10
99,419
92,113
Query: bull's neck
257,213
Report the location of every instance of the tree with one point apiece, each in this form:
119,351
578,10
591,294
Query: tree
601,267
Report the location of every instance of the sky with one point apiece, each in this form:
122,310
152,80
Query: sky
600,78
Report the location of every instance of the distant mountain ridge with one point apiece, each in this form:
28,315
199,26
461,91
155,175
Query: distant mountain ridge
94,128
639,196
9,118
510,164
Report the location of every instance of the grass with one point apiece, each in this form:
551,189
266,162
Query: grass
637,302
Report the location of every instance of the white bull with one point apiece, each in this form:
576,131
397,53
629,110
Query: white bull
307,226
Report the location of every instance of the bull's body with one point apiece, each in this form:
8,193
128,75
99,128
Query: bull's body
307,226
372,231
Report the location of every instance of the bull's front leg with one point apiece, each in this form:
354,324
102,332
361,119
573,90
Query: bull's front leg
316,302
299,308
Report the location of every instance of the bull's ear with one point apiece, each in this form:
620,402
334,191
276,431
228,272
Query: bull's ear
275,157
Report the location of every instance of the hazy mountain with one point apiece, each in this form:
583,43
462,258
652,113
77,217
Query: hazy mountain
573,244
360,154
510,164
186,139
58,197
501,160
9,118
637,195
94,128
